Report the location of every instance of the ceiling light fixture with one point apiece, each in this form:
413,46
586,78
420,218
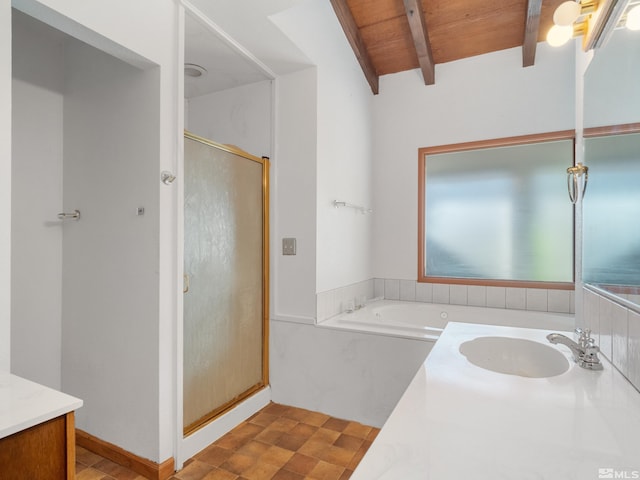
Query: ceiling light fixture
570,19
595,19
194,71
633,18
569,12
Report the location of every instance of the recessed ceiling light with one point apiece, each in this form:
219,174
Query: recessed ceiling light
193,70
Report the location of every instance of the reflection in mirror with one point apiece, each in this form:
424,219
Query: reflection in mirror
611,245
611,234
612,96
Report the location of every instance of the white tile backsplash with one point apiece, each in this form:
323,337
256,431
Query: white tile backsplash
371,290
424,292
633,349
391,289
620,339
458,294
516,298
496,297
334,302
591,312
537,299
378,288
408,290
559,301
321,306
616,330
572,304
441,293
607,311
477,295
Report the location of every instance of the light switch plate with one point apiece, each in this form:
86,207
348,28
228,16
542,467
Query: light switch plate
288,246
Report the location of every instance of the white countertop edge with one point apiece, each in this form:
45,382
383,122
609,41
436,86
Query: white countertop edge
24,404
431,433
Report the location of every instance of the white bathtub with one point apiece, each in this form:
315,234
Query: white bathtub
426,320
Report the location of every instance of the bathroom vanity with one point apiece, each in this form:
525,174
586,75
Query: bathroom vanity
458,420
37,433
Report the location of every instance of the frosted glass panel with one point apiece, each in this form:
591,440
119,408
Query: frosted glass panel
611,209
500,213
223,309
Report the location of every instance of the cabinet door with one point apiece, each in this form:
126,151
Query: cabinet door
40,452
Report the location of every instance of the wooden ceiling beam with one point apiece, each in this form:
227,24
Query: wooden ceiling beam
345,17
418,26
531,32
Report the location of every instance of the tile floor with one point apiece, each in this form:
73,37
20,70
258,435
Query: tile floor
277,443
90,466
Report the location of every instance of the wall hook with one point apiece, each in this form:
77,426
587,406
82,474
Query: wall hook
167,177
75,215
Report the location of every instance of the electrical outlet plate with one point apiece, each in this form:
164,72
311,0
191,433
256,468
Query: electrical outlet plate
288,246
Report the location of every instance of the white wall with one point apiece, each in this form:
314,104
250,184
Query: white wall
489,96
5,184
136,32
143,33
240,116
294,196
36,233
343,144
110,256
344,158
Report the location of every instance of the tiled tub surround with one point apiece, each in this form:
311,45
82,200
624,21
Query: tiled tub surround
459,421
616,330
334,302
427,320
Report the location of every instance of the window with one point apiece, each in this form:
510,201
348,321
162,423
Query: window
497,212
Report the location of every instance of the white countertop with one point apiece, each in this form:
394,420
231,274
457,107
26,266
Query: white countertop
24,404
457,421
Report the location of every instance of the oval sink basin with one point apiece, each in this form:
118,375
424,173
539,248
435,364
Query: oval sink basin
515,356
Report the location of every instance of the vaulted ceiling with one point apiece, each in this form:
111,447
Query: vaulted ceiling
390,36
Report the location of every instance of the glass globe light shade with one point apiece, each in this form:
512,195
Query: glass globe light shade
633,18
559,35
567,13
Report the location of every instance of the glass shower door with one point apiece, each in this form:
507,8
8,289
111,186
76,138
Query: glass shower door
225,266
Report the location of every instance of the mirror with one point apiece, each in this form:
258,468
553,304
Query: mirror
611,208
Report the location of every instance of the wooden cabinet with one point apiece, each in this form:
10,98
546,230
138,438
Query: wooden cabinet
43,452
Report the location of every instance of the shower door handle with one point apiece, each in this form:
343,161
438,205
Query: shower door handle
185,283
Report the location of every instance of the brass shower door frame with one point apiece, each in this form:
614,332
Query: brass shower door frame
264,161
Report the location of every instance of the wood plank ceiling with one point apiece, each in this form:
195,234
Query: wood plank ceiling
390,36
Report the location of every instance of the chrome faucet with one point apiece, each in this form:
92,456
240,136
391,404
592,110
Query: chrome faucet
585,351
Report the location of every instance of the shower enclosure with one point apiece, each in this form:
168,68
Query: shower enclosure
225,279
